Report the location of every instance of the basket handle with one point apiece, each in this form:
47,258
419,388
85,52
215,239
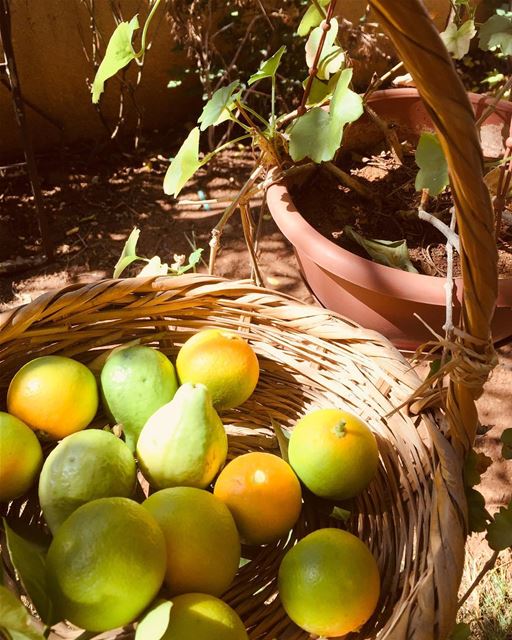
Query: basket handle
427,60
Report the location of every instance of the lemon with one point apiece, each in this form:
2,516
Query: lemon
84,466
105,564
21,457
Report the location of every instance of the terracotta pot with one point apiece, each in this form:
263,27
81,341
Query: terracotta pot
376,296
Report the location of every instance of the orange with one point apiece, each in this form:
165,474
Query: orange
329,583
203,546
53,394
105,564
196,616
21,457
334,453
222,361
263,494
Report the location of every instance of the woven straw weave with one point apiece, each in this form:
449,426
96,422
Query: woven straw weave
413,516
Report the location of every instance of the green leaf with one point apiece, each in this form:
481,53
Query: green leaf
461,631
478,516
184,165
268,68
499,531
433,168
311,19
282,439
128,255
217,109
118,54
475,465
496,32
457,41
155,267
338,513
318,134
15,620
321,91
506,438
193,260
29,560
392,253
332,56
154,624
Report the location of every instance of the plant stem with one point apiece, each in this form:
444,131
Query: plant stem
230,210
450,235
494,103
210,155
390,134
350,181
273,107
249,241
487,567
145,29
256,115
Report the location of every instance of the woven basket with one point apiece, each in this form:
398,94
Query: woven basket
413,516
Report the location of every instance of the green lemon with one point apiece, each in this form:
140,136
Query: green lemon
21,457
135,382
84,466
105,564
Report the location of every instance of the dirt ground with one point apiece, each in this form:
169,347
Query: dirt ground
94,201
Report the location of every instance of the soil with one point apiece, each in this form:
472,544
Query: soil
390,215
94,202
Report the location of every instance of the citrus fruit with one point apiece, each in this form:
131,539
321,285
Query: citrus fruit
53,394
197,616
263,494
84,466
21,457
184,442
329,583
334,453
105,564
203,546
135,382
224,362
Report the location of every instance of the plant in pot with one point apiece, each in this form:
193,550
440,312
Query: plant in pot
306,158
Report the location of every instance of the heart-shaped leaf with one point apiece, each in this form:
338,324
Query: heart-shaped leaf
392,253
118,54
433,168
268,68
457,40
499,531
128,254
321,91
29,560
475,465
332,56
311,19
155,622
15,620
478,516
496,32
217,109
318,134
506,439
184,165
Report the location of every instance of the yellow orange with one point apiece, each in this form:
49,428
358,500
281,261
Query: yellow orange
53,394
263,494
222,361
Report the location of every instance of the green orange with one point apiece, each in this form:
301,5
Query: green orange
329,583
105,564
53,394
196,616
334,453
224,362
21,457
263,494
203,545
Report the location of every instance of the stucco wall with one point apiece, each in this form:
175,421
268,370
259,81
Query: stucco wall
49,38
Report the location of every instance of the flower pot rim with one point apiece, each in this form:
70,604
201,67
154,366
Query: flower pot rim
414,287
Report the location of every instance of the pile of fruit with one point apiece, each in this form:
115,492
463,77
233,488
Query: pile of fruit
117,553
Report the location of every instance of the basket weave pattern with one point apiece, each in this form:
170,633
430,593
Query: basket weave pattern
413,516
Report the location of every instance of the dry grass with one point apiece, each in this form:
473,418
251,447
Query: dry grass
489,608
